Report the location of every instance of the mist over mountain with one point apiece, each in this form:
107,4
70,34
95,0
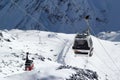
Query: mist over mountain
59,15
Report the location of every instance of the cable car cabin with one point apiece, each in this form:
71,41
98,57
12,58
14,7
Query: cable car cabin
28,64
83,44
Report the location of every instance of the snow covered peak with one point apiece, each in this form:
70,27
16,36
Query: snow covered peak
112,36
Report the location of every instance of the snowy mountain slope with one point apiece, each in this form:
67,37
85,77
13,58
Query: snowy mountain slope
100,61
59,15
53,72
43,50
50,51
112,36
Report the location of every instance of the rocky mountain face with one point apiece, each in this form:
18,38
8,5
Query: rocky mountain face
56,15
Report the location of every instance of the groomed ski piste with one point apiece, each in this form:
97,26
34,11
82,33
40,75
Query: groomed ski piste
54,58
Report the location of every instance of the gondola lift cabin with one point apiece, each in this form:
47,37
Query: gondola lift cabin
83,44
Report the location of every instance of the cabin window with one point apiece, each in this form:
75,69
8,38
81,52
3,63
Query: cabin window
81,44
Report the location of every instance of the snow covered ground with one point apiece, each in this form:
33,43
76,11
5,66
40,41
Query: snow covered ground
111,35
54,58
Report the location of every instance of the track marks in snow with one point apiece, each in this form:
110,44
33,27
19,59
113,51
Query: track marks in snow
61,56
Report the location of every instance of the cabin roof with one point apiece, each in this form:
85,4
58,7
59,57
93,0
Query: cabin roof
84,35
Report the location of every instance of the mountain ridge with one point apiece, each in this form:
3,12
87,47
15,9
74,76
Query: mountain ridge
58,15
